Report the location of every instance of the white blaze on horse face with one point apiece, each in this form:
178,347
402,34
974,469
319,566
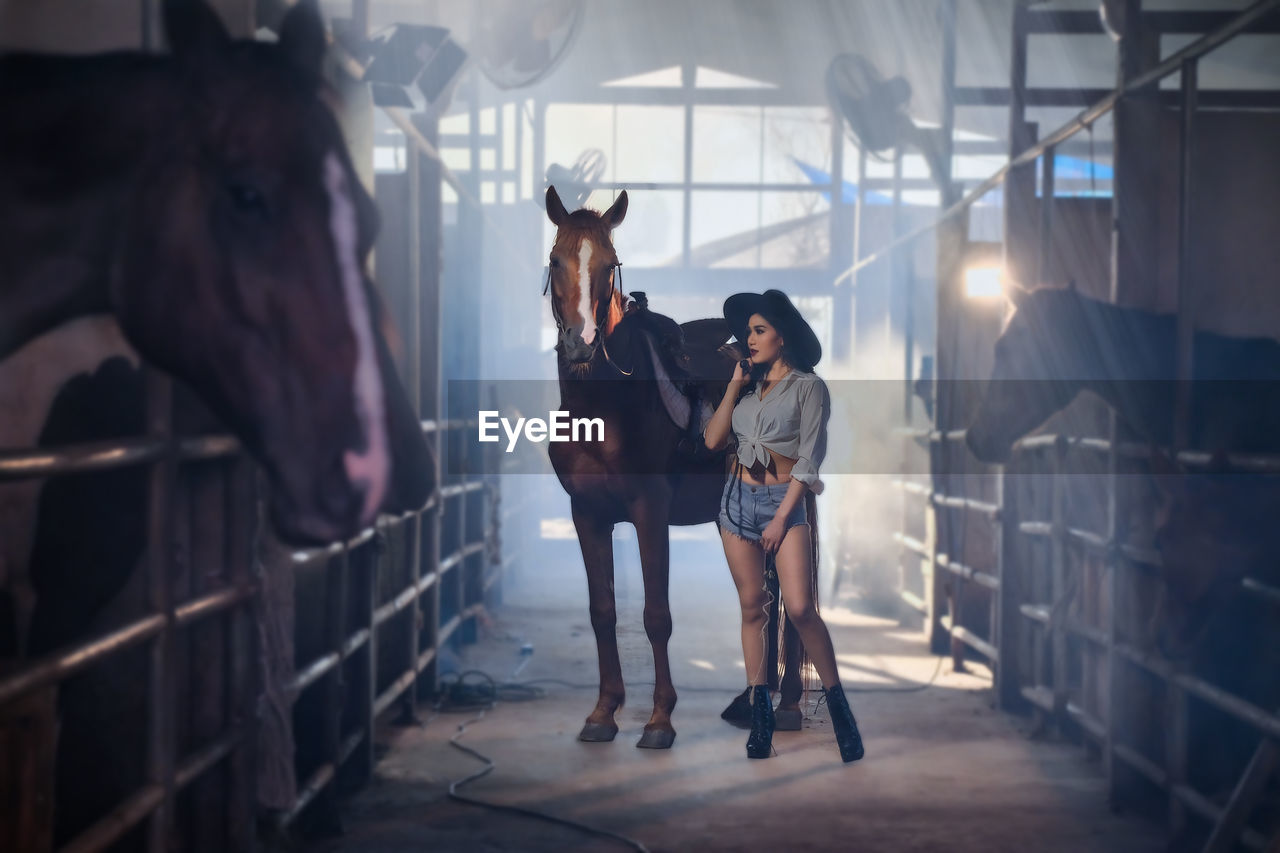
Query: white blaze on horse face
585,308
372,468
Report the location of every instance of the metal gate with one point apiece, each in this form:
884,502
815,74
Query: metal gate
394,596
1072,668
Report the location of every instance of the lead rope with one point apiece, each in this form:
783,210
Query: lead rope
618,285
546,287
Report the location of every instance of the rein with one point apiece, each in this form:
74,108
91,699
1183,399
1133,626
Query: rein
616,286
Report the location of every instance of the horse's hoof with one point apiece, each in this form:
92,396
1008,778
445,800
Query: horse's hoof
739,711
788,719
656,739
598,732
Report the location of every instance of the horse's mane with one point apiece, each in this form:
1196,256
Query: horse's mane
1040,295
585,217
583,223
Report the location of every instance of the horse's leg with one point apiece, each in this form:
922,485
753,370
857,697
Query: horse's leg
775,616
789,716
595,538
651,514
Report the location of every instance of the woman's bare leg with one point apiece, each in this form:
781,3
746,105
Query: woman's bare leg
793,561
746,564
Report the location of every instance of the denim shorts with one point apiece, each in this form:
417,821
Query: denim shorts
746,510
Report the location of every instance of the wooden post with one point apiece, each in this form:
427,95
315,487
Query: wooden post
425,618
160,723
842,244
335,688
418,217
1132,246
953,237
244,673
1176,724
1008,676
369,561
1059,605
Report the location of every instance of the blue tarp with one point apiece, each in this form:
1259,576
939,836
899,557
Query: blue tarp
1064,167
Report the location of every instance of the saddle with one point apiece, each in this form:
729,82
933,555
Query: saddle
697,359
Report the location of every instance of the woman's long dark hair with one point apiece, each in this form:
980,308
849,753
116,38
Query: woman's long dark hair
758,371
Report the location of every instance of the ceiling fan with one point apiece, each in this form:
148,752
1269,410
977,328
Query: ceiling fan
520,42
574,183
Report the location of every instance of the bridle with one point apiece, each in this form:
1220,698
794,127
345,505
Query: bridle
614,288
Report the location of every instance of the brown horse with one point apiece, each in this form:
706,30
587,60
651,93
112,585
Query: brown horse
207,199
622,364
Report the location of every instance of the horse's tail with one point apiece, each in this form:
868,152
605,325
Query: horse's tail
791,651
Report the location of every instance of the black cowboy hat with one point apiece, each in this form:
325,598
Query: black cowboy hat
802,347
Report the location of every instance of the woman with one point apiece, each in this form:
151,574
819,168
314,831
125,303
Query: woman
777,408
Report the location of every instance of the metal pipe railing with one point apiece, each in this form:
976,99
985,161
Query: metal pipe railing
166,772
154,800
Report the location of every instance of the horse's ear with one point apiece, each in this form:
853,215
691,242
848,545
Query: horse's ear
1017,294
302,37
555,208
618,212
193,29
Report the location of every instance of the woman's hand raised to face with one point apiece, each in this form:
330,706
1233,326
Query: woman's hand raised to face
741,371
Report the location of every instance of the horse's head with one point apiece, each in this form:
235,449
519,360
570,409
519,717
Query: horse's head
243,273
1029,379
583,300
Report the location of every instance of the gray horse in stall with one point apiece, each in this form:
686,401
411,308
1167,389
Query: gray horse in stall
205,200
1059,343
1211,529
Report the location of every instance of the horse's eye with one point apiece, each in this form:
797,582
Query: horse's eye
555,262
246,198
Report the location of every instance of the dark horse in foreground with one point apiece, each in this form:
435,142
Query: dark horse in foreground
624,364
207,200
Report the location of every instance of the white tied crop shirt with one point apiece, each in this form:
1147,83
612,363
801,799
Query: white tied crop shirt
791,421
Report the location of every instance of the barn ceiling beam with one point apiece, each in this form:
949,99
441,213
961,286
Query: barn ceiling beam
995,96
1064,22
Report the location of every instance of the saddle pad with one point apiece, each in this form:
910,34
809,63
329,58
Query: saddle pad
673,400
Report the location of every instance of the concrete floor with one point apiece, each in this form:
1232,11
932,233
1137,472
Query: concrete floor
943,770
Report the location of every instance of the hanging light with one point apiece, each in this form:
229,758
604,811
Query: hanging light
984,280
411,66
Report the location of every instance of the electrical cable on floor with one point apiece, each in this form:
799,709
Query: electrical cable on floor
459,695
482,692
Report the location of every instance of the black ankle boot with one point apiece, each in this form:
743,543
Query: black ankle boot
847,737
760,742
